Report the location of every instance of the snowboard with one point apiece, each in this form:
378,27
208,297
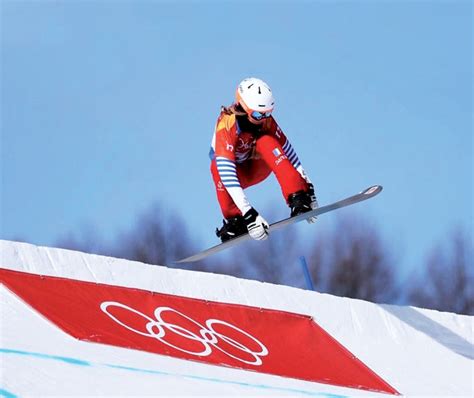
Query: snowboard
364,195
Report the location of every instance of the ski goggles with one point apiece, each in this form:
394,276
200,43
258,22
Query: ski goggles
260,115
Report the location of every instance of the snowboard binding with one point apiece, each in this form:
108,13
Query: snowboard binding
232,228
300,202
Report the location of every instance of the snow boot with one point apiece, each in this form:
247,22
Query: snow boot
232,228
300,202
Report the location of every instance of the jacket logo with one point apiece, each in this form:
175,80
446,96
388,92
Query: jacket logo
276,152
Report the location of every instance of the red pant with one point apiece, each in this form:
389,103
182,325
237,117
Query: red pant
253,171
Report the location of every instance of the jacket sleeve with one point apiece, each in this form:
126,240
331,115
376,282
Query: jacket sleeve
224,146
288,148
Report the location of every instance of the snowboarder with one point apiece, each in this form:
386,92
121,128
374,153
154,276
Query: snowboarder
247,146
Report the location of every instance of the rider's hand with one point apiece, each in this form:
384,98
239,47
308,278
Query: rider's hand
256,225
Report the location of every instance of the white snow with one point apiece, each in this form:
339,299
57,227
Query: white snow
419,352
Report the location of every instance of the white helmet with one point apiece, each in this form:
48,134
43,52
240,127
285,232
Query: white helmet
255,96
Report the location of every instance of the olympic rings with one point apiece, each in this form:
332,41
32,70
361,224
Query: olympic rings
209,338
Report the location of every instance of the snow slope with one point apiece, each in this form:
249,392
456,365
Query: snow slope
210,335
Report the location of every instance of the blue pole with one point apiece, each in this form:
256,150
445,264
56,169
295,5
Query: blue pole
307,276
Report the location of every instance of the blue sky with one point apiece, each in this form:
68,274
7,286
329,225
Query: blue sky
109,106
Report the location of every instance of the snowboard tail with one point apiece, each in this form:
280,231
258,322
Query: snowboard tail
364,195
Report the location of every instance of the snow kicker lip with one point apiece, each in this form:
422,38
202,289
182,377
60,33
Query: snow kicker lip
252,336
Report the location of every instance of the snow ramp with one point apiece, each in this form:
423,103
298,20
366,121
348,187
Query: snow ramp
88,325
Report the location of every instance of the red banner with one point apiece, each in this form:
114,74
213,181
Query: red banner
261,340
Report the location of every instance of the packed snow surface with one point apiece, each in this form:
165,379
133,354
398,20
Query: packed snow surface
415,352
